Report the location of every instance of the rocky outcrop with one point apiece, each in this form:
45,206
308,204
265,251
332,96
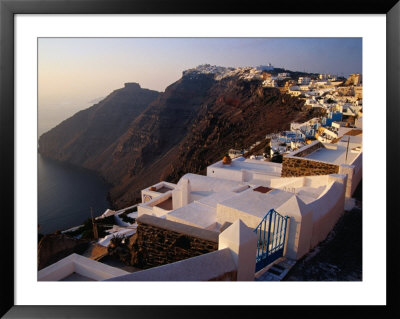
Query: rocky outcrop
82,139
54,247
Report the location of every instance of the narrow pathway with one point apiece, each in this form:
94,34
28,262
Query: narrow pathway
277,271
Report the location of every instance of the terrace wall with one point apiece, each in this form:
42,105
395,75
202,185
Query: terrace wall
83,266
295,166
354,174
304,151
148,195
234,260
222,172
215,266
160,241
244,172
151,208
327,209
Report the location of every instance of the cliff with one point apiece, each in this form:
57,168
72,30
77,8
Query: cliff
82,138
189,126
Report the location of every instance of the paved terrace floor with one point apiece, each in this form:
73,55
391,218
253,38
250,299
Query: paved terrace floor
167,204
194,214
334,156
261,167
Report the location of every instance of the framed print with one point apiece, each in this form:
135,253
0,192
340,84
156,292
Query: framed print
197,118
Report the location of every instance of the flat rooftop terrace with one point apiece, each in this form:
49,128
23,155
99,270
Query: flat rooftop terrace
194,214
253,201
164,189
249,164
166,204
257,204
333,155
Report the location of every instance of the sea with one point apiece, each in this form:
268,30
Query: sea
66,195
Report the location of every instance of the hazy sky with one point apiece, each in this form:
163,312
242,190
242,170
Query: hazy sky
74,72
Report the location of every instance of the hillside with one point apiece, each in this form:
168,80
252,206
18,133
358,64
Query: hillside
84,136
189,126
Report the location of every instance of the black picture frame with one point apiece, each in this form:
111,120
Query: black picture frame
8,8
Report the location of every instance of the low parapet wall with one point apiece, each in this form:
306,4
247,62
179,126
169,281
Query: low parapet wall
78,264
327,210
306,150
150,207
218,265
354,174
294,164
160,241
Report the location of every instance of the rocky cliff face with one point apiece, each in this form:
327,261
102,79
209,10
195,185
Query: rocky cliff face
237,114
189,126
86,135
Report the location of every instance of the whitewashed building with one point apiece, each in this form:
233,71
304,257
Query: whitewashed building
246,190
233,200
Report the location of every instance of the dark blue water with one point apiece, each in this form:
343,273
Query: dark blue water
65,195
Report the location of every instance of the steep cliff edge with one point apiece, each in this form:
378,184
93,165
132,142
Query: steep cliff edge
237,114
83,137
189,126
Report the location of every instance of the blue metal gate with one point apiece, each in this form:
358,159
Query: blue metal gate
271,234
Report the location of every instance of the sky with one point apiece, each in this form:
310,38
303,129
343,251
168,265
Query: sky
75,73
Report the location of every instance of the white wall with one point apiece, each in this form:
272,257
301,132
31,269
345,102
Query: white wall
244,172
299,227
229,214
229,174
210,266
299,235
311,223
349,171
327,209
149,193
157,211
354,174
155,194
287,182
150,206
242,242
143,209
81,265
177,198
326,222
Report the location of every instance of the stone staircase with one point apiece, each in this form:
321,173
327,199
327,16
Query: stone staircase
276,271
